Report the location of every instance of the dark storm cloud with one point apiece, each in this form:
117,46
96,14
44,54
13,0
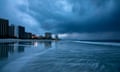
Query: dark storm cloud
102,21
69,16
64,16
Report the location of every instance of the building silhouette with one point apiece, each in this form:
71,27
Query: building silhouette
56,37
34,36
13,31
48,35
4,26
21,32
28,35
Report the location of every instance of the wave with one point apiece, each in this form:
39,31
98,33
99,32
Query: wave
99,43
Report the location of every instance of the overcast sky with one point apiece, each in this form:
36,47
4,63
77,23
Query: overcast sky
75,19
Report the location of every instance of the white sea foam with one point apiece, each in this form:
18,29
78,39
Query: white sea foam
99,43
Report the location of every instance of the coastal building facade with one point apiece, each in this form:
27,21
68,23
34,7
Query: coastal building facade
4,26
13,31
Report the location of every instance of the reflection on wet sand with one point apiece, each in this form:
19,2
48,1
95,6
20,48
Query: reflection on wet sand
20,47
9,48
47,56
47,44
4,49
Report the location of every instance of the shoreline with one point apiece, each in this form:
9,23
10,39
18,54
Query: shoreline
18,40
111,43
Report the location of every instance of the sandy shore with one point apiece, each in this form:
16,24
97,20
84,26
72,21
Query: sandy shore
17,40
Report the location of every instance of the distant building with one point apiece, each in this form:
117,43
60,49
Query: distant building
41,37
56,37
28,35
21,32
4,26
34,36
48,35
13,31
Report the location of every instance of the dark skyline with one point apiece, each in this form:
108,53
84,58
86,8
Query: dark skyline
81,19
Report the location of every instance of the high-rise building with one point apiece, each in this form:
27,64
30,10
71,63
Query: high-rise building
21,32
13,31
48,35
4,26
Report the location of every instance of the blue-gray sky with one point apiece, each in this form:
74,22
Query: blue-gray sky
82,19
